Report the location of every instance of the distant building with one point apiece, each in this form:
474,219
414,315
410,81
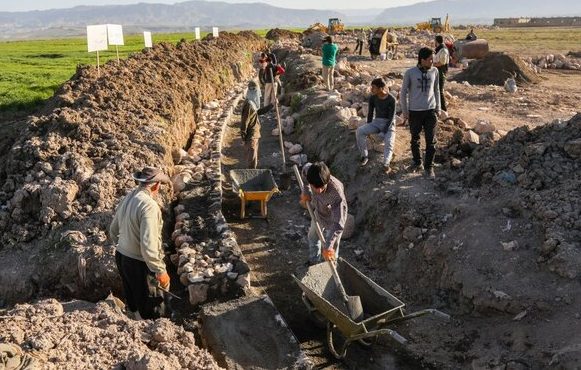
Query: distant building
538,22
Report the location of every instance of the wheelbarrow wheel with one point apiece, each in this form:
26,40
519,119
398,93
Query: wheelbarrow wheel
319,320
331,343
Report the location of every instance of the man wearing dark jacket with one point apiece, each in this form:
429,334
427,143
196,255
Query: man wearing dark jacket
383,105
267,75
250,125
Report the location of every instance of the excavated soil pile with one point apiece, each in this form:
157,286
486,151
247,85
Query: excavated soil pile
62,178
495,68
277,34
542,166
82,335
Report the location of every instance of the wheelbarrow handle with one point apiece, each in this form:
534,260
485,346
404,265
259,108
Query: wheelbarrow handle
396,336
441,315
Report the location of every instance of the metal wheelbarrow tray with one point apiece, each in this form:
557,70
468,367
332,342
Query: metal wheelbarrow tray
253,185
381,309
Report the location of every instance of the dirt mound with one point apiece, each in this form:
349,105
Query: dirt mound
62,178
495,68
82,335
277,34
543,167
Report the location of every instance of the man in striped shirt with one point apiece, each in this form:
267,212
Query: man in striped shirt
327,198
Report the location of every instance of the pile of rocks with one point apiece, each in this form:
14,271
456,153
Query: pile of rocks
544,163
83,335
208,259
555,61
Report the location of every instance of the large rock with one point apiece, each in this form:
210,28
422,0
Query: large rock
59,196
471,137
483,127
573,148
295,149
344,114
198,293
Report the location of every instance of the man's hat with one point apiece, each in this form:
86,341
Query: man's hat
252,84
151,174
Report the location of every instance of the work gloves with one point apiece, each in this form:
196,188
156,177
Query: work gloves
328,254
163,280
304,199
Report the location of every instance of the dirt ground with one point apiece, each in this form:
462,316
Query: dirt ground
452,264
493,241
276,248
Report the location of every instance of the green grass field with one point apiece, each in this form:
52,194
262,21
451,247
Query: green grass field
32,70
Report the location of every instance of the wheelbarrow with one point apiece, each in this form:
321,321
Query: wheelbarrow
381,308
253,185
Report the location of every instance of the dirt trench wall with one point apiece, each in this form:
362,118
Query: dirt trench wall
62,178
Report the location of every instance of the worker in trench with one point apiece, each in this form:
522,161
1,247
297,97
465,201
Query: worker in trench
136,230
327,198
250,124
382,103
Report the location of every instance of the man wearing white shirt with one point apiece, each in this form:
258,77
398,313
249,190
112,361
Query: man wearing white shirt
441,61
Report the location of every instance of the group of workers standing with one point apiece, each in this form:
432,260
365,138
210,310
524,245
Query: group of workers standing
137,224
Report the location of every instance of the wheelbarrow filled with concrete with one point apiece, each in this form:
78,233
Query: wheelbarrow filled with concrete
381,309
253,185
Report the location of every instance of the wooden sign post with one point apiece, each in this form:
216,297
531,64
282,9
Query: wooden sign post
215,31
115,37
147,39
97,41
197,33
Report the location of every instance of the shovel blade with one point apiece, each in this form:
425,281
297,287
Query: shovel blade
355,308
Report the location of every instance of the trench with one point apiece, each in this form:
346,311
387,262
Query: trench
275,248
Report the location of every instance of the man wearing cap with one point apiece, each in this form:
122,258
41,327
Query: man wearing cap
250,125
136,229
327,198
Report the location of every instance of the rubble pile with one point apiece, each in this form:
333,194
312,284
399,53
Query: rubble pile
82,335
544,165
61,180
555,61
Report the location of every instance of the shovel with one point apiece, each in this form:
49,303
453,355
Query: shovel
353,303
284,177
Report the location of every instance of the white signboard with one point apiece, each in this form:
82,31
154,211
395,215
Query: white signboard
197,32
97,37
147,39
115,34
215,31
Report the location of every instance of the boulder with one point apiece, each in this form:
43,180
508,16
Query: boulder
295,149
471,137
573,148
483,127
198,293
299,159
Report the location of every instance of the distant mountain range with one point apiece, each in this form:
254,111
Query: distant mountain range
186,15
478,11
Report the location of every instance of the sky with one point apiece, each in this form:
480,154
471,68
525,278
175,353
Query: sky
26,5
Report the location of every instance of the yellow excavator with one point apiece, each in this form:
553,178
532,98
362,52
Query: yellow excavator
335,26
435,25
